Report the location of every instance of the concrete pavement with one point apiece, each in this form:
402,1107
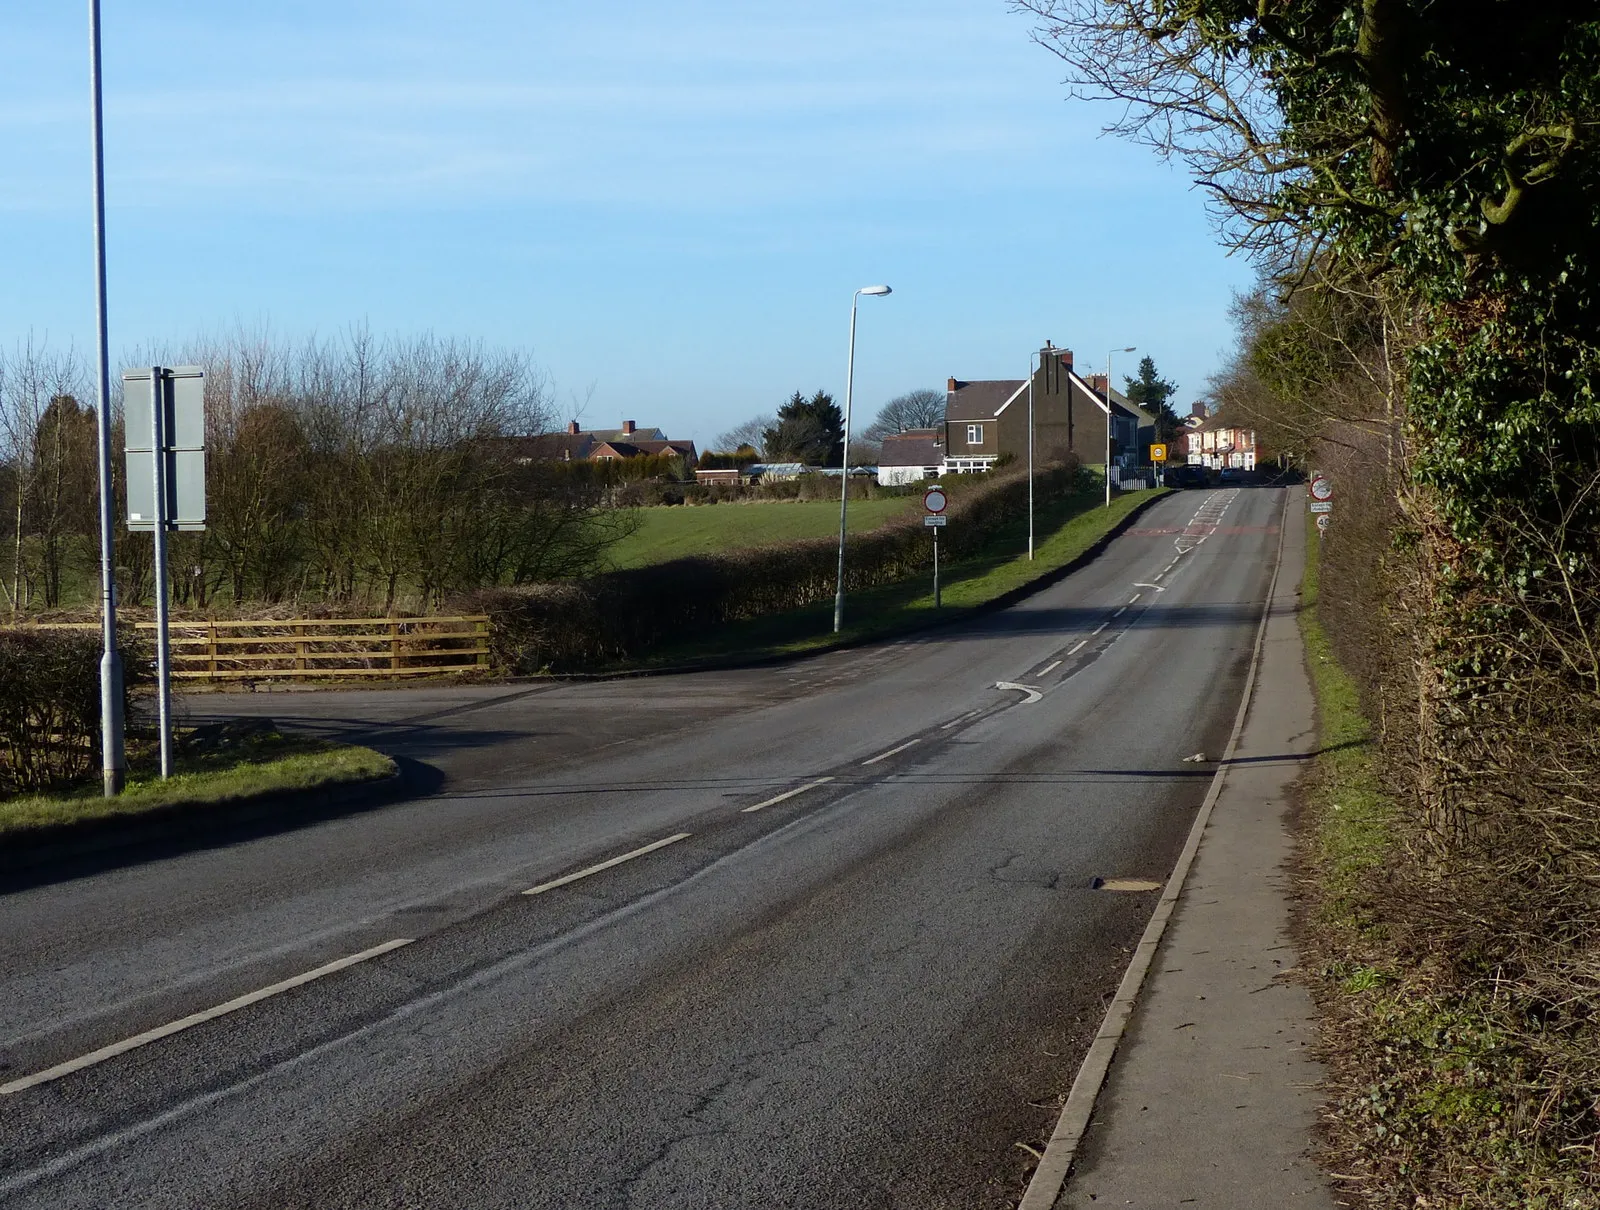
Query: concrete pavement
1211,1100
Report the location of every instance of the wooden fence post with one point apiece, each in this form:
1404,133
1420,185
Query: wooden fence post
394,651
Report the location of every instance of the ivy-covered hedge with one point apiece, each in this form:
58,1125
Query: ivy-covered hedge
50,706
623,614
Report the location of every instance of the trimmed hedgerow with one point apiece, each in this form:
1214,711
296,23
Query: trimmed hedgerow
623,614
50,708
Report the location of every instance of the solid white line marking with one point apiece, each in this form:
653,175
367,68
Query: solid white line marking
1082,643
891,752
1049,668
193,1019
787,794
606,865
1033,694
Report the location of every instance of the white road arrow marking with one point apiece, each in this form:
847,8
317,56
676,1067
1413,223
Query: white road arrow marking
1033,694
1157,587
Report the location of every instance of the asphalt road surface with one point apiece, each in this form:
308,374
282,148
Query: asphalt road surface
844,947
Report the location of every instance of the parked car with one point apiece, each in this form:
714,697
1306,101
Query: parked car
1230,474
1188,475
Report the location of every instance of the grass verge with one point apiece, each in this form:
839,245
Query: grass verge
1063,531
261,765
1443,1091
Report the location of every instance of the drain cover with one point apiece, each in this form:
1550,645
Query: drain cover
1125,884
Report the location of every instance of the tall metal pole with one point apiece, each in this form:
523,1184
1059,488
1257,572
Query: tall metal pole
158,442
1108,429
844,469
113,763
1031,372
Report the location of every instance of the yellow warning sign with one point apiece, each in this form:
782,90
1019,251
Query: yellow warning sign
1158,453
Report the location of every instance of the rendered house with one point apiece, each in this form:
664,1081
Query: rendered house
988,419
1217,445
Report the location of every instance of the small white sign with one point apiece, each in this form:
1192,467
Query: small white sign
934,500
1322,506
934,519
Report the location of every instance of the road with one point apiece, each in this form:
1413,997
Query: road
851,956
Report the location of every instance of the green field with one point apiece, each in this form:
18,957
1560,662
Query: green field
708,529
1064,530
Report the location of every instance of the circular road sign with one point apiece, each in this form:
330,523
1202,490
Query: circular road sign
934,500
1321,488
1323,519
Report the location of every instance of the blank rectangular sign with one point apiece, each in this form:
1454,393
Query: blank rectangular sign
184,414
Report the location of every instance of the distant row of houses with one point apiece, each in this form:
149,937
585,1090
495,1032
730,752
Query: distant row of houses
985,423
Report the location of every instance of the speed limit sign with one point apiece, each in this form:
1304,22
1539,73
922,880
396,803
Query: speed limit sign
933,500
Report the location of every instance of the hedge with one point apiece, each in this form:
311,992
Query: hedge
50,706
622,614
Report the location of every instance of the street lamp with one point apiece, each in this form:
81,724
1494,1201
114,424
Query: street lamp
1033,359
1129,349
844,469
112,762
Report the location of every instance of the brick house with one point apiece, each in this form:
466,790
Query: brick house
911,456
630,441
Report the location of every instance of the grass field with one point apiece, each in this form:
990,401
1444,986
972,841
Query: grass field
1062,531
708,529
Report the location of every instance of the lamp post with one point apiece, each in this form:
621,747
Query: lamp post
112,763
1129,349
844,469
1033,361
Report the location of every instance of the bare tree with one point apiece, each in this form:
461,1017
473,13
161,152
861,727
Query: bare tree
919,409
752,433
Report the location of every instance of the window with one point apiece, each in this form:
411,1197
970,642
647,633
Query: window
974,434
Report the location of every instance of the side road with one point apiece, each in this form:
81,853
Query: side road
1211,1099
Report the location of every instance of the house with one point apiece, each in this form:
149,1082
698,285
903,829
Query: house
1219,445
911,456
577,445
988,419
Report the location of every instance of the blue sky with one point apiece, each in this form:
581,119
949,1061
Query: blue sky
667,205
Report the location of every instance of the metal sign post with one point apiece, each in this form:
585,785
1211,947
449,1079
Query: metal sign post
934,501
176,490
158,518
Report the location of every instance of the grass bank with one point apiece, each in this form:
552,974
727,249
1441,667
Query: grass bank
1063,531
706,529
261,765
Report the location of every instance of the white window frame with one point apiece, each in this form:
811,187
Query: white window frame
974,434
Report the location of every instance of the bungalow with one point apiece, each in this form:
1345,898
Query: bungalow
911,456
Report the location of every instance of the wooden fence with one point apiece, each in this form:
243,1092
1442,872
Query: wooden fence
321,647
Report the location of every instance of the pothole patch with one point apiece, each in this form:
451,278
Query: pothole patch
1125,884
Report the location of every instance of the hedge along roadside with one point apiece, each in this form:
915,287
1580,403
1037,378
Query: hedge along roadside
50,705
623,614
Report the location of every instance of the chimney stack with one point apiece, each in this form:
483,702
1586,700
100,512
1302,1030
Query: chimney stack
627,428
572,428
1066,357
951,386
